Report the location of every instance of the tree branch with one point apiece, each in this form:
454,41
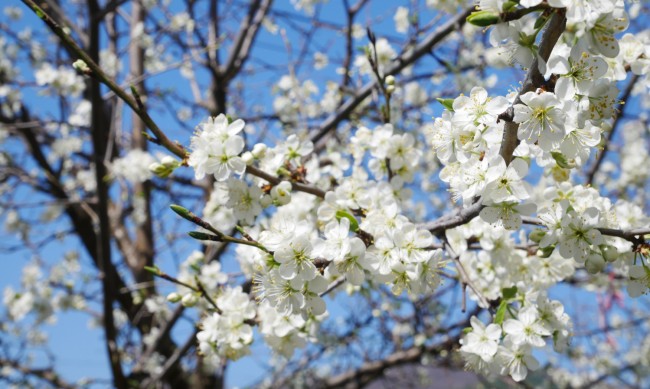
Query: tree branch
397,65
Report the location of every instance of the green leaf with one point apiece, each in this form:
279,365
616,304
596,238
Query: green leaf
354,224
509,6
467,330
561,160
546,251
153,270
540,22
509,293
447,103
501,312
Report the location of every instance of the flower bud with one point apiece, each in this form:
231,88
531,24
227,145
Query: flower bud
248,158
174,297
537,235
281,193
259,150
169,161
595,263
390,80
610,253
483,18
190,300
266,201
81,66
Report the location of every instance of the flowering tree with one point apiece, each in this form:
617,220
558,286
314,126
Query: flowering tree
443,185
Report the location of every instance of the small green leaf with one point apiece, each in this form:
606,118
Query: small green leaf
467,330
152,269
447,103
509,6
546,251
501,312
561,160
540,22
354,224
509,293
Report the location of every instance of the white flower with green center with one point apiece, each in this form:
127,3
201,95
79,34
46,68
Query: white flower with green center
353,264
482,341
578,142
577,70
601,35
312,289
579,234
244,200
284,295
478,108
505,183
516,360
540,120
526,329
507,213
295,260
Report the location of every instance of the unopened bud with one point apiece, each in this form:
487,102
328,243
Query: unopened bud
266,201
281,193
537,235
174,297
259,150
595,263
81,66
248,158
610,253
190,300
483,18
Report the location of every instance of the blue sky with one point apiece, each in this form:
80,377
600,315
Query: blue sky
79,351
